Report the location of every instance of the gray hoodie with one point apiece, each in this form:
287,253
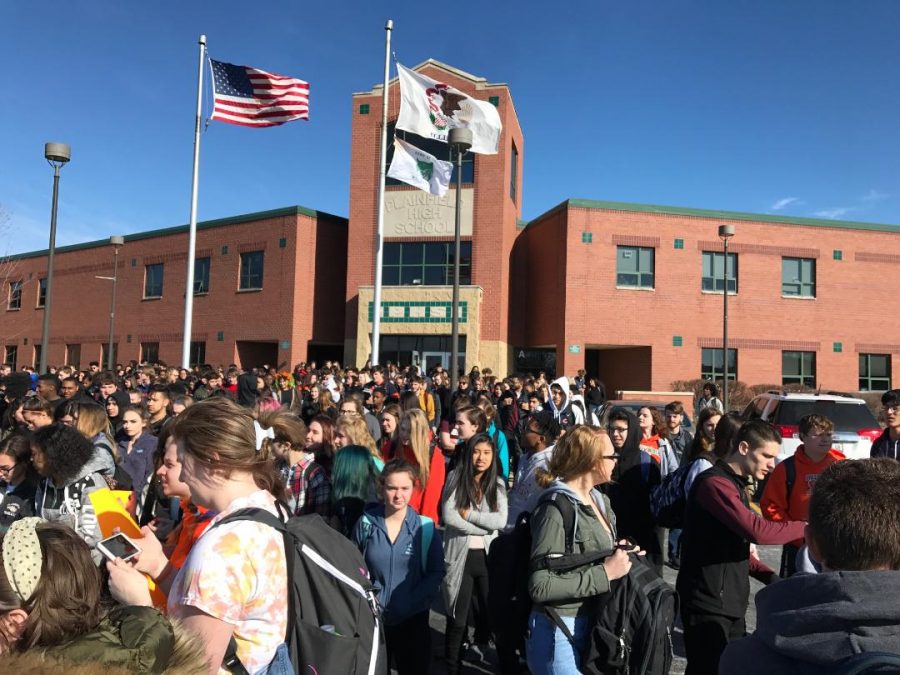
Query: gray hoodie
809,623
70,505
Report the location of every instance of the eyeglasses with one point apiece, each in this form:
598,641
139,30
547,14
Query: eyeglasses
7,469
617,430
613,456
891,409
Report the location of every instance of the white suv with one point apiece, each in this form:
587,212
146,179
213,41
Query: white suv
855,427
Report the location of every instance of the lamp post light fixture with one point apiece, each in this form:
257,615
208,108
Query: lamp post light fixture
726,232
56,154
460,141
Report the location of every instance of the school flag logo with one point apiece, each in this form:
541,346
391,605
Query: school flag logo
419,169
430,109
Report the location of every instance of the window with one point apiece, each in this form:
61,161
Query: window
435,148
153,281
12,356
73,355
798,368
201,275
104,356
198,352
712,272
513,172
711,367
149,352
874,372
425,263
15,295
37,356
634,266
42,292
251,271
798,277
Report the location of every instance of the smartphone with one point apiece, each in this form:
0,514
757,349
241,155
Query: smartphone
118,546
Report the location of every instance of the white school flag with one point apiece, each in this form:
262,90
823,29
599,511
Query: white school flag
430,109
419,169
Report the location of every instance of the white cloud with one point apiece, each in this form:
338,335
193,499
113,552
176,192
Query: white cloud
874,195
834,213
783,203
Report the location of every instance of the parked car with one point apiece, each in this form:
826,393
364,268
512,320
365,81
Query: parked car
855,427
635,406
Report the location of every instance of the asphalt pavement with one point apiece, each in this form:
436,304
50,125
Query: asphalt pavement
476,664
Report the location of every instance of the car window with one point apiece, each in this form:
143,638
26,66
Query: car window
847,416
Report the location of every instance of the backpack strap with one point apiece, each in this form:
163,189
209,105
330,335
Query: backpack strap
230,661
426,524
863,662
570,560
790,477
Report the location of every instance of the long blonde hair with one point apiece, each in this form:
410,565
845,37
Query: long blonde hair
92,420
418,441
575,454
355,429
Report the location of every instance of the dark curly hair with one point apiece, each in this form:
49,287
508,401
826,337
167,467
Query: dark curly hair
65,449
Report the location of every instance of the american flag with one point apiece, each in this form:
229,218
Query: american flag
254,98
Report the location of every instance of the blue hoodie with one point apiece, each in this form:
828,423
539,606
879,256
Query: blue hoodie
404,585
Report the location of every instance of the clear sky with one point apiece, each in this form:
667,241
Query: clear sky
764,106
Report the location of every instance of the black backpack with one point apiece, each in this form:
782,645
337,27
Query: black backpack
668,500
633,626
870,662
334,624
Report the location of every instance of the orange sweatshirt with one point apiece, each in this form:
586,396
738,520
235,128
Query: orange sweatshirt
774,503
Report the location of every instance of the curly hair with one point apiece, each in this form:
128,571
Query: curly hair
66,450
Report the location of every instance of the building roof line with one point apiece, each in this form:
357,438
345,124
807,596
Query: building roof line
716,214
179,229
481,82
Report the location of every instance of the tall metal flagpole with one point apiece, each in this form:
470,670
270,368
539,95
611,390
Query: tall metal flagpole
379,234
192,237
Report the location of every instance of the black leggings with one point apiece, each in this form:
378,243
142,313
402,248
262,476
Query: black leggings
705,638
473,589
409,645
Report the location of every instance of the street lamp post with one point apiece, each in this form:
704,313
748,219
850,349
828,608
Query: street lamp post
460,140
56,155
726,232
117,243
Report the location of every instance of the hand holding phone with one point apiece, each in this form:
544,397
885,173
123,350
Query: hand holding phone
118,546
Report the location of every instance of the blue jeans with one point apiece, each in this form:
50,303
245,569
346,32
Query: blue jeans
548,650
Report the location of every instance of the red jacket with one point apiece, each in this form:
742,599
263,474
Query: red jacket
427,501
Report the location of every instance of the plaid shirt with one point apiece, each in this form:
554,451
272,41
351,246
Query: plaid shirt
309,489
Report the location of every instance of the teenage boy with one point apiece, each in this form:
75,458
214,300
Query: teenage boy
888,444
158,406
811,623
787,492
719,526
679,438
538,440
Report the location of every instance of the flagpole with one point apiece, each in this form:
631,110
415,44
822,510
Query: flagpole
379,234
192,237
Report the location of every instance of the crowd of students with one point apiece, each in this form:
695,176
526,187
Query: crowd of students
423,480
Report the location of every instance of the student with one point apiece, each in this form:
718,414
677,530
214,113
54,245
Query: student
320,441
811,458
709,399
719,526
233,581
354,480
474,510
655,440
563,412
70,471
679,438
538,439
811,623
18,480
137,446
37,412
53,617
705,436
194,519
390,421
888,444
308,489
413,447
352,430
158,402
582,459
406,574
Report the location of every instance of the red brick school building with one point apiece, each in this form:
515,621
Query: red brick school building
630,291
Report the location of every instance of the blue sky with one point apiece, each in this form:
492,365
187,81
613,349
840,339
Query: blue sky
765,106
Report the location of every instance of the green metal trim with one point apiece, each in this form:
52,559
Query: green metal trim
427,318
205,225
726,215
